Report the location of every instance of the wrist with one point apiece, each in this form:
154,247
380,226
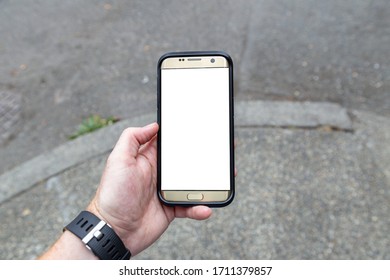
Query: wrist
133,240
124,235
95,209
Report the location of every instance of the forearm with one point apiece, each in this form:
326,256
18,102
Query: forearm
68,247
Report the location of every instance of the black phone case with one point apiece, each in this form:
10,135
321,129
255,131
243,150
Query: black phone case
231,121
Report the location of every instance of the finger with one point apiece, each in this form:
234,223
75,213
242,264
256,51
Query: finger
196,212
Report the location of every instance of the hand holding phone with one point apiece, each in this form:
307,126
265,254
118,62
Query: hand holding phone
196,136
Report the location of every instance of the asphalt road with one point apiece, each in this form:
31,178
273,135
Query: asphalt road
304,192
66,60
300,194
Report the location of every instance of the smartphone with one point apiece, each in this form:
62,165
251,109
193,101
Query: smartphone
195,157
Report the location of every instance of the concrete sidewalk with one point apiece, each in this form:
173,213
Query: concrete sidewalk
313,183
313,175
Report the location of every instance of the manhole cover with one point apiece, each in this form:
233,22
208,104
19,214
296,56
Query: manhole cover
9,114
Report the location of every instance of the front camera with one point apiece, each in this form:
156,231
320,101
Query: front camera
212,60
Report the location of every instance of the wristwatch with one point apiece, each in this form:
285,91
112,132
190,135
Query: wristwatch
99,237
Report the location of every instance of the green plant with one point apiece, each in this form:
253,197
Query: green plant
92,123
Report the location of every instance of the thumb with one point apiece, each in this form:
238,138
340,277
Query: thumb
146,133
133,137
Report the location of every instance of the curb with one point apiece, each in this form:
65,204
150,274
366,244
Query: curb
44,166
247,114
292,114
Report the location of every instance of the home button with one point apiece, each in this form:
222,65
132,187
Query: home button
195,196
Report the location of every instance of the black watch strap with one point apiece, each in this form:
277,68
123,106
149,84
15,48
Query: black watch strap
99,237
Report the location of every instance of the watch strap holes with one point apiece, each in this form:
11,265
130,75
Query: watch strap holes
79,221
82,221
83,224
98,236
89,227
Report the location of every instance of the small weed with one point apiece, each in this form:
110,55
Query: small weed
91,124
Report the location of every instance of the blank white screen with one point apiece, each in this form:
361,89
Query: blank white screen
195,152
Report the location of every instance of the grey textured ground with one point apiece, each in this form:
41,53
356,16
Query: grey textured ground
301,194
309,189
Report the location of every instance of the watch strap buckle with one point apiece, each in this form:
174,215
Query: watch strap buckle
95,232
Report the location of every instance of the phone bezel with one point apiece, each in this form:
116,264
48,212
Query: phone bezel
229,194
